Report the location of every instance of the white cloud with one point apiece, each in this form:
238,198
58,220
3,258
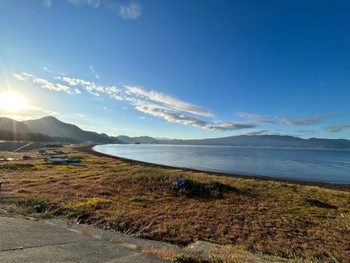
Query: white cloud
167,101
19,77
30,113
338,127
252,132
177,117
257,118
91,3
93,71
89,86
171,116
79,115
307,121
50,86
130,11
45,84
46,69
77,91
229,126
74,82
149,102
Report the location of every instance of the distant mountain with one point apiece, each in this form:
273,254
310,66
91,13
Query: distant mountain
33,137
266,141
132,140
53,127
7,124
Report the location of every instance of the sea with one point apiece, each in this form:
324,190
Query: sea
318,165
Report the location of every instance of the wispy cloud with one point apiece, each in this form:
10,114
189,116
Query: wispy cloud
308,121
43,83
91,3
80,115
89,86
338,127
46,69
20,77
77,91
93,71
228,126
47,3
257,118
166,101
130,11
29,113
253,132
146,101
181,118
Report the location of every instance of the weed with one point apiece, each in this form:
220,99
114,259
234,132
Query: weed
214,259
94,202
184,259
18,166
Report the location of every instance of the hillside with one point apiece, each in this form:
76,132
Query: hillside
52,128
7,124
33,137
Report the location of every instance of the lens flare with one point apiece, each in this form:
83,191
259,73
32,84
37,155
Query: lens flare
13,101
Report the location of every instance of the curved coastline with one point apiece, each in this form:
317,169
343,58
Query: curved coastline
341,187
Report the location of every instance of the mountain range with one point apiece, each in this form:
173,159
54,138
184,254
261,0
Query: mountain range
50,129
266,141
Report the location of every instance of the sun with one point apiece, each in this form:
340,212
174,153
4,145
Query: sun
13,101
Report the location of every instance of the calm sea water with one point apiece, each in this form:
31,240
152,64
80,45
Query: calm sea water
332,166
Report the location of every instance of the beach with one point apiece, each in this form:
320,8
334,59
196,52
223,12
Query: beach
280,218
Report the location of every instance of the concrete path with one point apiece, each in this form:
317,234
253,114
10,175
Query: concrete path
34,241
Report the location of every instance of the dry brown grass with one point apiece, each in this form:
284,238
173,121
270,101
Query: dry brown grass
266,217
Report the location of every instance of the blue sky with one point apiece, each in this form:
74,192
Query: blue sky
180,69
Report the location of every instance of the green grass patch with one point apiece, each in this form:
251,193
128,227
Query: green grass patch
18,167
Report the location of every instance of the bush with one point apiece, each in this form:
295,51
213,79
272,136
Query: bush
195,189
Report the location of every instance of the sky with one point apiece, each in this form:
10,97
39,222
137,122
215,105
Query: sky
179,69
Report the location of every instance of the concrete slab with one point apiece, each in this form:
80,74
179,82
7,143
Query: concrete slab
32,241
135,243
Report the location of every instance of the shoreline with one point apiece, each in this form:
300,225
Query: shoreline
263,215
333,186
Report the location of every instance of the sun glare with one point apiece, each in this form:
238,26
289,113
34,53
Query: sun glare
13,101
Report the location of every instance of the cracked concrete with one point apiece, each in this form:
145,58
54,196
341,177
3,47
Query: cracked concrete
34,241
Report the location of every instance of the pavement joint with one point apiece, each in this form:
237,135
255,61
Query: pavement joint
44,241
30,247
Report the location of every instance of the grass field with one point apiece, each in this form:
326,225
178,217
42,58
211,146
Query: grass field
270,218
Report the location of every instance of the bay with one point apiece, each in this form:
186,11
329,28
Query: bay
319,165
